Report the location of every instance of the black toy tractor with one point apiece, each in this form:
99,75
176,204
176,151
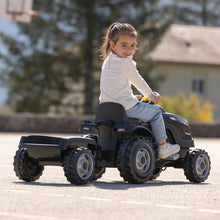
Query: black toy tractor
119,141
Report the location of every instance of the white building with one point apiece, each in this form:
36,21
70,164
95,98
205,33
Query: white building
189,58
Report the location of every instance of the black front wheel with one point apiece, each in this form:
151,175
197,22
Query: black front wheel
26,168
79,165
197,166
136,160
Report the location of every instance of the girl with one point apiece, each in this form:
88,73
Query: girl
119,72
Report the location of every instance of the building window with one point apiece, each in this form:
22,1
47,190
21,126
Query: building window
198,86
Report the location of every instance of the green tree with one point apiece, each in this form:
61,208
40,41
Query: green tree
199,12
62,45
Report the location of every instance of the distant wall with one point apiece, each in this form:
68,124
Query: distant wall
205,130
35,123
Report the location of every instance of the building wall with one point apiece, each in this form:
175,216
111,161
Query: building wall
179,78
214,91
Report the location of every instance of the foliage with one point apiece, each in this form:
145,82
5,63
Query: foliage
193,109
59,48
62,46
198,12
6,110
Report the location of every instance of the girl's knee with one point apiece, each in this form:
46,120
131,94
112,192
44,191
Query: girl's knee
158,111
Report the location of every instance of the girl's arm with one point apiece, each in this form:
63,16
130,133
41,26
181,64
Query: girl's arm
136,79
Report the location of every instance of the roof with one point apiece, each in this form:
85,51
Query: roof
188,44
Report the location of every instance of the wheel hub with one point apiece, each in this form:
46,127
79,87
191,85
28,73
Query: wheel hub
143,160
84,166
202,166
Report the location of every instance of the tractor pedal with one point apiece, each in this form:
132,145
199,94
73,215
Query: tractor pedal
173,157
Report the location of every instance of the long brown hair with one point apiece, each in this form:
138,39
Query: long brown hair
113,33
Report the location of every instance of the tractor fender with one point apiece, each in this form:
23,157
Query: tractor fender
140,130
78,141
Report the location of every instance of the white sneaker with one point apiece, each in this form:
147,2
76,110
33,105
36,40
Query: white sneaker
167,150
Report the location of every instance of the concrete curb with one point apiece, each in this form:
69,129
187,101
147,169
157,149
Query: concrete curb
205,130
37,123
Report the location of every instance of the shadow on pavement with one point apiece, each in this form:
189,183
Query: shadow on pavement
49,184
120,185
115,185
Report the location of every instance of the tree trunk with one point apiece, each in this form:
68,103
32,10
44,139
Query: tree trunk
89,82
204,12
89,58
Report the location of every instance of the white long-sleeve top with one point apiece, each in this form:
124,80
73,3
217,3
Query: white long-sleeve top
116,78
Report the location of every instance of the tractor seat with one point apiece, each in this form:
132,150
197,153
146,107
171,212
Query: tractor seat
114,112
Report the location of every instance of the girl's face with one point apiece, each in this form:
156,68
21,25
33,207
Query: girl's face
124,46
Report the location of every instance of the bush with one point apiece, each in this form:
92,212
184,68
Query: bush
5,109
193,109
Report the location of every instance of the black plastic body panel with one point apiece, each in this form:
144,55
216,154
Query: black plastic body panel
178,132
113,127
52,149
36,141
179,129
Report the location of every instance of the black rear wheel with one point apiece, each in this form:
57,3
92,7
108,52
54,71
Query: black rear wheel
136,160
26,168
197,166
79,165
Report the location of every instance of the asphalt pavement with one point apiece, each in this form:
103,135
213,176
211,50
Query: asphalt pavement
52,197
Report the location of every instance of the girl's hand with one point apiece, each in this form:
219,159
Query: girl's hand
139,97
154,98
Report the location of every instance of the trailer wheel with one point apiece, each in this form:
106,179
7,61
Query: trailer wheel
136,160
79,165
156,173
98,172
197,166
26,168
